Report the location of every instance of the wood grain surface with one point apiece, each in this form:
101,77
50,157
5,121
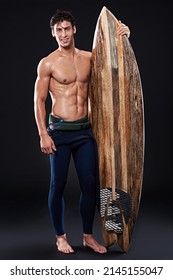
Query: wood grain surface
117,116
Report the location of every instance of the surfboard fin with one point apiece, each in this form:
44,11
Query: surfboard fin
114,217
114,209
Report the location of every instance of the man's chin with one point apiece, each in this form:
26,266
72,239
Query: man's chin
65,46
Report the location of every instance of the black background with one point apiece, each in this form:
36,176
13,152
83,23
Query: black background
25,228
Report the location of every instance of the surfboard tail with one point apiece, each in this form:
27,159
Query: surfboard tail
115,213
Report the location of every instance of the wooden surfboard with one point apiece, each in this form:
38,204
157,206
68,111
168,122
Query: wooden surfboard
117,116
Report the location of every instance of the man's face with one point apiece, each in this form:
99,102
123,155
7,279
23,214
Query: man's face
64,33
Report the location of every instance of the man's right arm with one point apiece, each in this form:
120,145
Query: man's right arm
40,96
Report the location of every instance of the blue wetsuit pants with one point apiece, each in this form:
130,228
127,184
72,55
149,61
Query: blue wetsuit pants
82,146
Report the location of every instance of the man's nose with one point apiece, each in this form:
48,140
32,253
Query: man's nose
64,32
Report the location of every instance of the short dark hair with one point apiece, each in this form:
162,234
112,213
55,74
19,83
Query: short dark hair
60,16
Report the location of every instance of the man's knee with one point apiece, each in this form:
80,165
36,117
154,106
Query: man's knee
89,185
57,187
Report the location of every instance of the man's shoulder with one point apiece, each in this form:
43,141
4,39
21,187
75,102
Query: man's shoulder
83,53
47,60
50,57
87,53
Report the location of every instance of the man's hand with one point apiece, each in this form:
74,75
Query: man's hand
47,144
123,29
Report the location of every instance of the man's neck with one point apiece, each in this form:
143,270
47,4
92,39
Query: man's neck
70,51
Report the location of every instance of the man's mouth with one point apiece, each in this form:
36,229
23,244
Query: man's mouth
64,41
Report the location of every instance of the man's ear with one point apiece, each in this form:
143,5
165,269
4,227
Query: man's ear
74,29
53,34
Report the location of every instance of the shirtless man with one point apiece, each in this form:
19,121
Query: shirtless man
65,75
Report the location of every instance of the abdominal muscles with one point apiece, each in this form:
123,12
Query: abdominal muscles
69,101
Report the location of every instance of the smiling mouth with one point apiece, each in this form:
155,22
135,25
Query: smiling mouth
64,41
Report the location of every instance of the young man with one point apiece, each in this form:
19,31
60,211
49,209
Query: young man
65,75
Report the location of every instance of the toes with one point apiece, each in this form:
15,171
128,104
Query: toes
65,250
63,246
95,246
103,250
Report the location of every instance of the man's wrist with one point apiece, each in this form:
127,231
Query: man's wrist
43,133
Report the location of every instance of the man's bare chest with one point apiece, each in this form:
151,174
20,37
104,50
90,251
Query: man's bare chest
71,70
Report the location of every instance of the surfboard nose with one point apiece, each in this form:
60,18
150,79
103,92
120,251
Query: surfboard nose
104,9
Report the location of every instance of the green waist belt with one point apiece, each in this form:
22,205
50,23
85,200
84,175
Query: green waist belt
60,124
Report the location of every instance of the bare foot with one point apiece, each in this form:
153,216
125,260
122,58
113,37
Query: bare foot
63,245
90,242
